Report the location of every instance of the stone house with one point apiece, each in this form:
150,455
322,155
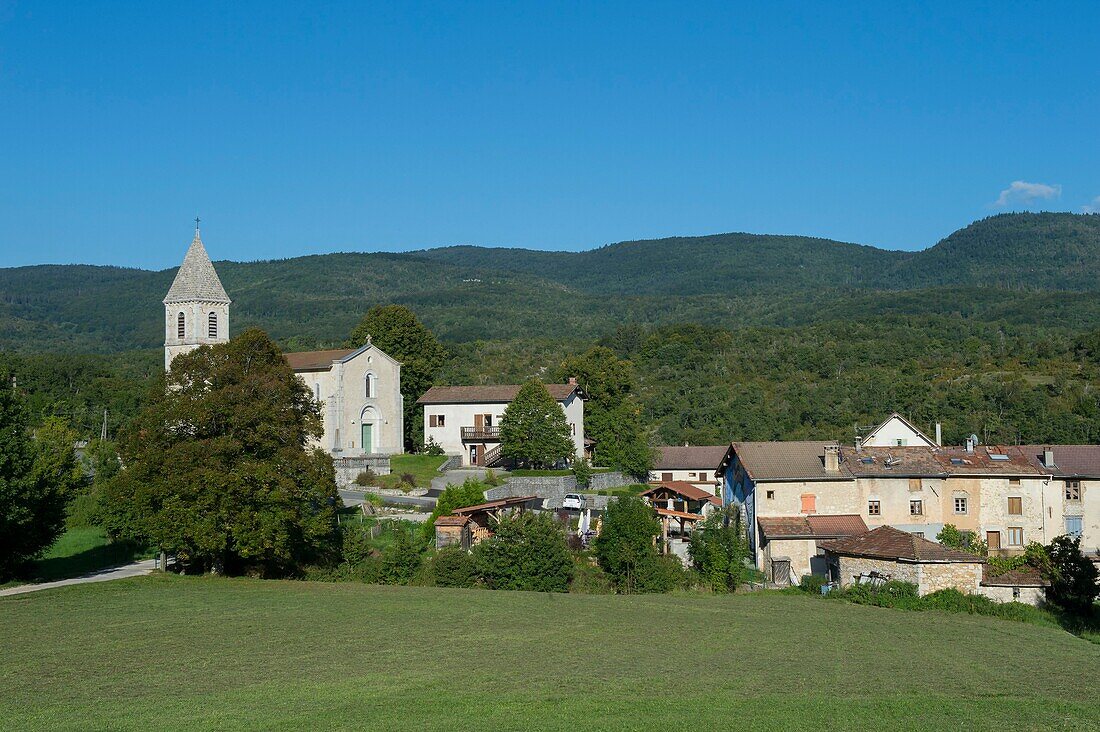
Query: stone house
465,420
360,393
893,554
1074,472
691,463
1017,585
791,546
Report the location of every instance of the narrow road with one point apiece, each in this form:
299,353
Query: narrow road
136,569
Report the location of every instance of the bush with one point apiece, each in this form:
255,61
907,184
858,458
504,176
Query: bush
718,550
431,447
453,566
470,493
582,471
589,579
355,543
526,552
625,548
1074,585
492,479
812,583
366,478
401,561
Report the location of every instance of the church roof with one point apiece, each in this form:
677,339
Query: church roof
196,279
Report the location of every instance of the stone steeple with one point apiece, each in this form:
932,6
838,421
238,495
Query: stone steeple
196,308
196,279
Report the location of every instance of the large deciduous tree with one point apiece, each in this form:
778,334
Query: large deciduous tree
37,477
613,418
396,330
533,428
218,467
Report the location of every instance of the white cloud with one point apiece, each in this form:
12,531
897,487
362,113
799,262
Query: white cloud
1024,193
1093,207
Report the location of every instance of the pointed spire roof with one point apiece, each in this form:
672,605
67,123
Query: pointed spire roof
196,279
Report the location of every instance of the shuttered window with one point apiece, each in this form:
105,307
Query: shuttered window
809,503
1015,505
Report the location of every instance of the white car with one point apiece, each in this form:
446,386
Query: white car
573,500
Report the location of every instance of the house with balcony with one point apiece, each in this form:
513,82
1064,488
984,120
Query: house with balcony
465,420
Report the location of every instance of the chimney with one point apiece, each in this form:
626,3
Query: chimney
832,458
859,444
970,444
939,435
572,381
1048,457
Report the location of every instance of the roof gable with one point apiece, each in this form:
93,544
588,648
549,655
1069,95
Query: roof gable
886,434
196,279
323,360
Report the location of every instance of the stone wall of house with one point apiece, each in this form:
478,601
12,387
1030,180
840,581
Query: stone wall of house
348,469
1028,595
963,576
851,567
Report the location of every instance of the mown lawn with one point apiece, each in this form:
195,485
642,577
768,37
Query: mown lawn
80,551
167,652
422,467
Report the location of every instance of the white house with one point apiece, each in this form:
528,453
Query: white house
360,393
465,420
690,463
897,431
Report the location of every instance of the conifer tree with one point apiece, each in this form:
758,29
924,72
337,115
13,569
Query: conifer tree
533,428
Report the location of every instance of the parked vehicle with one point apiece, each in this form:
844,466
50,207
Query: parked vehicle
574,501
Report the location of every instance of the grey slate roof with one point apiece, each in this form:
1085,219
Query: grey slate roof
196,279
689,457
801,460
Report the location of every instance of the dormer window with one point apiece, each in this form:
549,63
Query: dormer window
212,325
181,327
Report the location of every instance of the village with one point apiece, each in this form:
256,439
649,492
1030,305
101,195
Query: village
868,512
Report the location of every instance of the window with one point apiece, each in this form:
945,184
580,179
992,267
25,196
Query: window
900,442
181,330
771,495
1015,506
666,477
435,420
212,325
572,428
702,476
809,503
317,392
1015,593
918,534
914,484
1015,536
874,508
368,386
993,540
1073,490
1014,481
960,504
916,508
1073,526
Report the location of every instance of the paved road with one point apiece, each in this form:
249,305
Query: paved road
104,575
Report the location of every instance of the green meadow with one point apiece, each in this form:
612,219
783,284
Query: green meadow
167,652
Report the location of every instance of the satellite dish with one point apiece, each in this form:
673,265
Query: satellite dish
974,439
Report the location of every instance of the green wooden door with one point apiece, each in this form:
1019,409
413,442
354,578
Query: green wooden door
368,441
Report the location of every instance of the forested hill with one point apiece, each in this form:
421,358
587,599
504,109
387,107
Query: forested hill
998,269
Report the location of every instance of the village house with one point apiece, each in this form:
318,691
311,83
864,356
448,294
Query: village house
1004,495
791,546
359,388
691,463
887,553
465,420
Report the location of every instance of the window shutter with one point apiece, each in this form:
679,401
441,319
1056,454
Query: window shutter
433,421
809,503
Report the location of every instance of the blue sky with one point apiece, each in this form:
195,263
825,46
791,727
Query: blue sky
292,129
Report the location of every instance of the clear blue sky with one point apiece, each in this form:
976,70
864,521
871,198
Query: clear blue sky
358,127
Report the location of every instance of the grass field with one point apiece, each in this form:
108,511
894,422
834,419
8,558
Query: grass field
166,652
422,467
82,550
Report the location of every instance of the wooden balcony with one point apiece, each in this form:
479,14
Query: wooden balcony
481,434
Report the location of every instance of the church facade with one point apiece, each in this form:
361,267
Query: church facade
359,389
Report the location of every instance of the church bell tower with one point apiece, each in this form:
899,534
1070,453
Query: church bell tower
196,308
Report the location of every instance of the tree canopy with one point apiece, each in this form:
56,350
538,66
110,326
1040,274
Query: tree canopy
218,468
396,330
533,428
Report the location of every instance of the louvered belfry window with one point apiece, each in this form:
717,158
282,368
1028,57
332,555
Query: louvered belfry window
181,329
212,327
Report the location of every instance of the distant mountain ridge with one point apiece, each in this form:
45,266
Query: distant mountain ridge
997,268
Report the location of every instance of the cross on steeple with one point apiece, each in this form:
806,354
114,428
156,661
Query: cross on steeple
196,224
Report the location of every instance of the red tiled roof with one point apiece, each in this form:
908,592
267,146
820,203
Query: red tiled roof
886,542
689,457
811,527
680,487
452,520
500,394
316,360
1023,577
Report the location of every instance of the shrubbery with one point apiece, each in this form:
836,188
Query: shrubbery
526,552
718,551
452,566
626,552
366,478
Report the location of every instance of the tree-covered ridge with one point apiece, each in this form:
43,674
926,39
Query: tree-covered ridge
1001,268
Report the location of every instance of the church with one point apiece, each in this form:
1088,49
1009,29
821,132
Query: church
359,389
